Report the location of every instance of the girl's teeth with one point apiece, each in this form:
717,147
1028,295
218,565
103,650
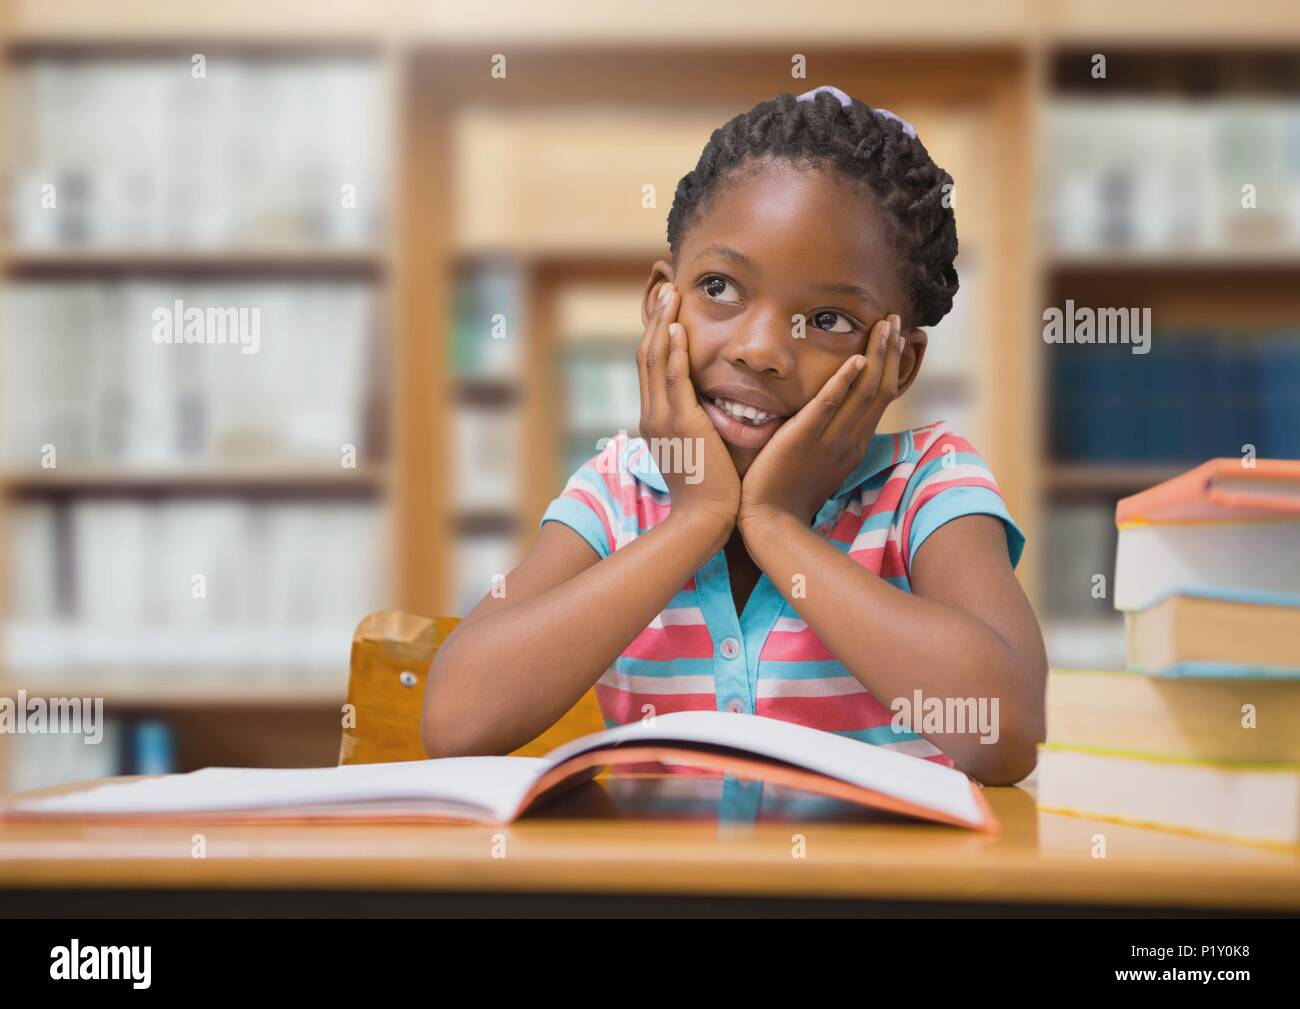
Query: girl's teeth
744,413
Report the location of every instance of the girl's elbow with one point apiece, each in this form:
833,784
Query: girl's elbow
1005,763
432,731
439,729
444,735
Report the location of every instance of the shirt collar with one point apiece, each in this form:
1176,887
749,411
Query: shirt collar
884,451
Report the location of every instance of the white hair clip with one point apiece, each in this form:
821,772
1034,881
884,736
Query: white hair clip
845,100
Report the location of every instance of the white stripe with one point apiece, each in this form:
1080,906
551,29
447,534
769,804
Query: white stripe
579,481
789,625
871,539
912,747
931,433
823,686
657,684
678,616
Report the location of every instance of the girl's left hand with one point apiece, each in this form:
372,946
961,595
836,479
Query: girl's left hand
810,455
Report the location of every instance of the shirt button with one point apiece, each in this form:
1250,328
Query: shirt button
730,648
735,706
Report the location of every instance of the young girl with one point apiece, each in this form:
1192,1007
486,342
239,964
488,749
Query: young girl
761,547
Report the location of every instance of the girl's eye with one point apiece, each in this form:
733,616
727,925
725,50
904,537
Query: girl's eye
828,314
714,286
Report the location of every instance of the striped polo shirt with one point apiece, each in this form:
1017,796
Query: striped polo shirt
698,653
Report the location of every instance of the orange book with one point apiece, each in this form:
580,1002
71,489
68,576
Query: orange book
1218,491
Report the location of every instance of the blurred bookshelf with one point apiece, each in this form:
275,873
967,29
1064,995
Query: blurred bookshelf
1150,170
193,531
497,272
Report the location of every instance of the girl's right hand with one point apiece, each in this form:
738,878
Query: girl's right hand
671,412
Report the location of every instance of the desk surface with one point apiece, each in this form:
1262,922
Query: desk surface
676,835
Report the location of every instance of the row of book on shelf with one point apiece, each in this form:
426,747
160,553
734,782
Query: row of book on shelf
488,322
1194,395
120,745
1164,174
219,588
1201,731
171,152
295,379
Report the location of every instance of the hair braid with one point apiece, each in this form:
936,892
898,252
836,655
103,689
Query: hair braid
864,148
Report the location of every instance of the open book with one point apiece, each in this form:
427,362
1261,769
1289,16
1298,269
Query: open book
494,790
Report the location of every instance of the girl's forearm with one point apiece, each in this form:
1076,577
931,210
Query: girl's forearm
895,643
507,677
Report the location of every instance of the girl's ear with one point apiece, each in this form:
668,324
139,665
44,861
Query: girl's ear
660,273
909,365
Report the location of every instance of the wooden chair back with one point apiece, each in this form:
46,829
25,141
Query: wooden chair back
391,655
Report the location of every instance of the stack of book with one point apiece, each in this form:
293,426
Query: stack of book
1202,732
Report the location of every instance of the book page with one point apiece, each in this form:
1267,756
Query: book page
494,784
895,774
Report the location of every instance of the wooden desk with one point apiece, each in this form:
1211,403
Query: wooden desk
645,846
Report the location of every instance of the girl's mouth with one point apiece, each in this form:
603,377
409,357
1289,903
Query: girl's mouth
739,431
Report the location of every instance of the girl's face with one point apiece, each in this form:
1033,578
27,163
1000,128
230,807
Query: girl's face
775,244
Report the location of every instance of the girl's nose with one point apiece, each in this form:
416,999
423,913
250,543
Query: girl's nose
764,344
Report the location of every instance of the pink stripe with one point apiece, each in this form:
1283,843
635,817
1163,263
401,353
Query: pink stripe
936,447
619,705
891,493
932,491
649,512
839,713
597,509
672,641
795,646
884,561
613,481
847,528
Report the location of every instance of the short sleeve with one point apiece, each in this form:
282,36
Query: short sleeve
952,480
589,504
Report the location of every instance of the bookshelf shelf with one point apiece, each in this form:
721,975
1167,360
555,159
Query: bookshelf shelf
1085,478
488,391
145,697
225,263
615,260
1284,263
260,480
135,44
485,521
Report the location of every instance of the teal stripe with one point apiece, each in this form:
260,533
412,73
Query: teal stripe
956,502
667,667
879,735
581,519
1224,671
873,523
807,669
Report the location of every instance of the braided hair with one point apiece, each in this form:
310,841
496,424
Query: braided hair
866,149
